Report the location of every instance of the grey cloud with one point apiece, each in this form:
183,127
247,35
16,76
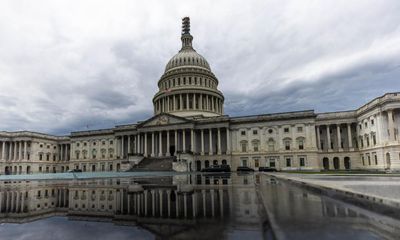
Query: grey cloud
100,67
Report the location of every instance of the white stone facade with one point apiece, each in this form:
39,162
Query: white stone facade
190,124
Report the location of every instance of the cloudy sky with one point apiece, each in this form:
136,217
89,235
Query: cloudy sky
68,66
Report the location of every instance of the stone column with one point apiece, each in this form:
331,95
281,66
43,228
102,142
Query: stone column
219,140
160,153
15,151
390,125
176,141
25,150
210,151
168,145
123,146
192,148
187,101
201,102
145,144
194,101
174,102
328,135
212,104
350,139
180,102
318,137
152,144
3,151
202,142
129,144
339,138
184,140
10,151
20,150
228,141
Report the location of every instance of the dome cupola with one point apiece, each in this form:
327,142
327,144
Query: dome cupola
188,87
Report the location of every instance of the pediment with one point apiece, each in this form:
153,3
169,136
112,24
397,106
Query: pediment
163,119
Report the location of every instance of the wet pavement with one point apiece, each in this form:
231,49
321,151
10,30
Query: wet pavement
212,206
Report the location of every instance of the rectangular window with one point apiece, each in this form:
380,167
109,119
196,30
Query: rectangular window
288,162
255,132
374,139
256,162
243,133
244,162
372,122
302,161
272,163
299,129
286,130
376,159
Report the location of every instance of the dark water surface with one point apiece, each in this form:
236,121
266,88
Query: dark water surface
194,206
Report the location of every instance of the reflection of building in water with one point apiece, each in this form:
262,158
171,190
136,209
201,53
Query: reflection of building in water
295,208
189,200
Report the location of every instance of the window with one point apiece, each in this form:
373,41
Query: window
103,142
302,161
244,162
299,129
286,130
41,145
94,143
255,145
369,159
243,133
376,159
54,158
374,139
48,146
77,144
288,162
40,157
271,145
363,160
372,122
366,124
84,144
360,126
256,162
47,157
287,144
301,144
367,138
244,146
111,142
270,131
255,132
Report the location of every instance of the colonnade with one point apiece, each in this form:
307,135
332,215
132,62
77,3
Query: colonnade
172,203
164,143
12,201
64,152
327,142
189,101
15,150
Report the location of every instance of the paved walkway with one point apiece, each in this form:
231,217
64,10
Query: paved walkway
380,188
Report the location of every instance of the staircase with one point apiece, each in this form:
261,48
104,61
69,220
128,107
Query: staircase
154,164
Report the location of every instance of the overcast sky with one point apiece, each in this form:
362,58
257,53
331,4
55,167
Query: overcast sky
77,65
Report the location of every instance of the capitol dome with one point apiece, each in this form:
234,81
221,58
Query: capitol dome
187,57
188,87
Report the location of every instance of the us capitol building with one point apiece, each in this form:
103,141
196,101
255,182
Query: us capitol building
189,131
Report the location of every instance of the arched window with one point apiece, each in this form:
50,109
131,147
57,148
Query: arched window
300,143
287,143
